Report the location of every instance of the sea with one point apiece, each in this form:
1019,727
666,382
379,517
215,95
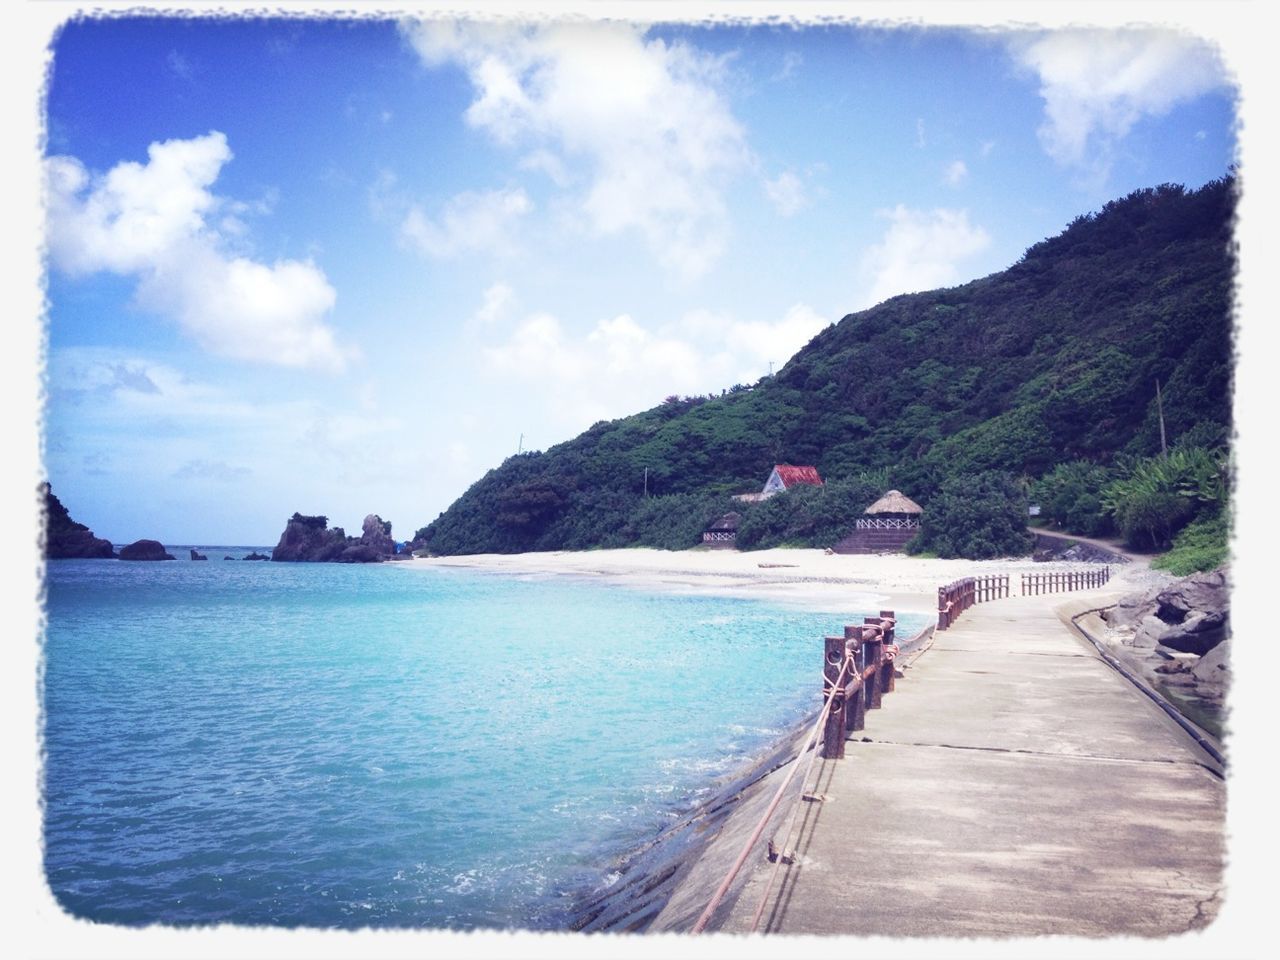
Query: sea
350,746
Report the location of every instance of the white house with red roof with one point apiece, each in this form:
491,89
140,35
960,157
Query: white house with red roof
785,476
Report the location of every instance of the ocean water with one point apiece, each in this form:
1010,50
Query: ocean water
347,746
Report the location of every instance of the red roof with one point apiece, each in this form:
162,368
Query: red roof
790,475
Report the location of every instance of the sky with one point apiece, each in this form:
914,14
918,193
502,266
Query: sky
346,266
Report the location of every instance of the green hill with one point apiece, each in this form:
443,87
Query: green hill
1053,360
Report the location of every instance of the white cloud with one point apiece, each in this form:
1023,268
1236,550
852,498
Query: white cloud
956,173
469,222
786,192
152,222
1096,84
498,300
620,366
920,251
643,119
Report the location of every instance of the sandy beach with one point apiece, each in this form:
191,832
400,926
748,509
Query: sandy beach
812,579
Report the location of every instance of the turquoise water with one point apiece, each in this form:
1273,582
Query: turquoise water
346,746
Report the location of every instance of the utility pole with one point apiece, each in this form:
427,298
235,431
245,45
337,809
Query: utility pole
520,445
1164,448
646,482
771,368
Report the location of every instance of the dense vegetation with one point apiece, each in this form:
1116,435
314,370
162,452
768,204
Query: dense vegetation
1046,369
978,516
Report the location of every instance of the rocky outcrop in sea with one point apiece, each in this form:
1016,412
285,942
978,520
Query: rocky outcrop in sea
145,550
308,539
65,539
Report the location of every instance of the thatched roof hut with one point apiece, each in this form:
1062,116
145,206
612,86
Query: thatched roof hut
723,532
894,502
727,523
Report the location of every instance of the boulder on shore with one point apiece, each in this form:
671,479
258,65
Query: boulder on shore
145,550
65,539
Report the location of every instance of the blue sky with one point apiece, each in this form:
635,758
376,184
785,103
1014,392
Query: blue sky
341,266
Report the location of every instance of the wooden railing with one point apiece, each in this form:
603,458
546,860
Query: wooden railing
869,651
1060,582
956,597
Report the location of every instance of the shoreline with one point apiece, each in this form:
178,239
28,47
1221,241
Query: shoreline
665,880
810,579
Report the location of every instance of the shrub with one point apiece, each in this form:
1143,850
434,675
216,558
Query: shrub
807,516
1156,497
1202,545
978,517
1070,497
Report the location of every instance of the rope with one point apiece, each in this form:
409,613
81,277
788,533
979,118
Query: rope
773,806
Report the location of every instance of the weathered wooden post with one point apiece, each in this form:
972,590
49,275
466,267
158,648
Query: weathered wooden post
833,732
872,651
887,621
942,608
855,709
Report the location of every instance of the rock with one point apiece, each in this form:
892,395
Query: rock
64,539
145,550
309,539
1206,592
1198,634
376,535
1149,632
255,556
1173,666
1213,666
195,555
227,556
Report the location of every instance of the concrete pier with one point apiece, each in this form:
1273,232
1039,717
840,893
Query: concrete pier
1013,784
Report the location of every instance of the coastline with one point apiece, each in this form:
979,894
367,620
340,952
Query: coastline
665,881
810,579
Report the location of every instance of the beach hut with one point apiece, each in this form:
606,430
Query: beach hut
786,475
885,526
723,533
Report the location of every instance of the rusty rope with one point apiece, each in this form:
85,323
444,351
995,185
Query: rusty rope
718,896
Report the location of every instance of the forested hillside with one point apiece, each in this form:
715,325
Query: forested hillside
1053,360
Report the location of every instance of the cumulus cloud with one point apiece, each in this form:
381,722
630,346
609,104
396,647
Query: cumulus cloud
155,222
638,125
1096,84
469,222
920,250
620,365
786,193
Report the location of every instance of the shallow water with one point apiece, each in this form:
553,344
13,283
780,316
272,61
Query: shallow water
345,746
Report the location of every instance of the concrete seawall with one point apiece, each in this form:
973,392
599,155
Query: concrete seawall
1014,784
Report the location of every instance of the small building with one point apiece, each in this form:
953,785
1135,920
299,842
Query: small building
885,527
723,534
785,476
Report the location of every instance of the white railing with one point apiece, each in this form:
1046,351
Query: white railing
885,523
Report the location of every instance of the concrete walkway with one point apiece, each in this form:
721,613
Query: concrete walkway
1013,784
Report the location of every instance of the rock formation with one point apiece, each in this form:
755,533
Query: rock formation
145,550
65,539
254,556
309,539
196,555
1178,635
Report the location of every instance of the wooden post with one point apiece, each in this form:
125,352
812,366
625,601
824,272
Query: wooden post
888,620
855,710
872,649
833,732
942,608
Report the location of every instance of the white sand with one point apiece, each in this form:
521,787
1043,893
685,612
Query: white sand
813,579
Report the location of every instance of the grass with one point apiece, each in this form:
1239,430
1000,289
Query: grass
1202,545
